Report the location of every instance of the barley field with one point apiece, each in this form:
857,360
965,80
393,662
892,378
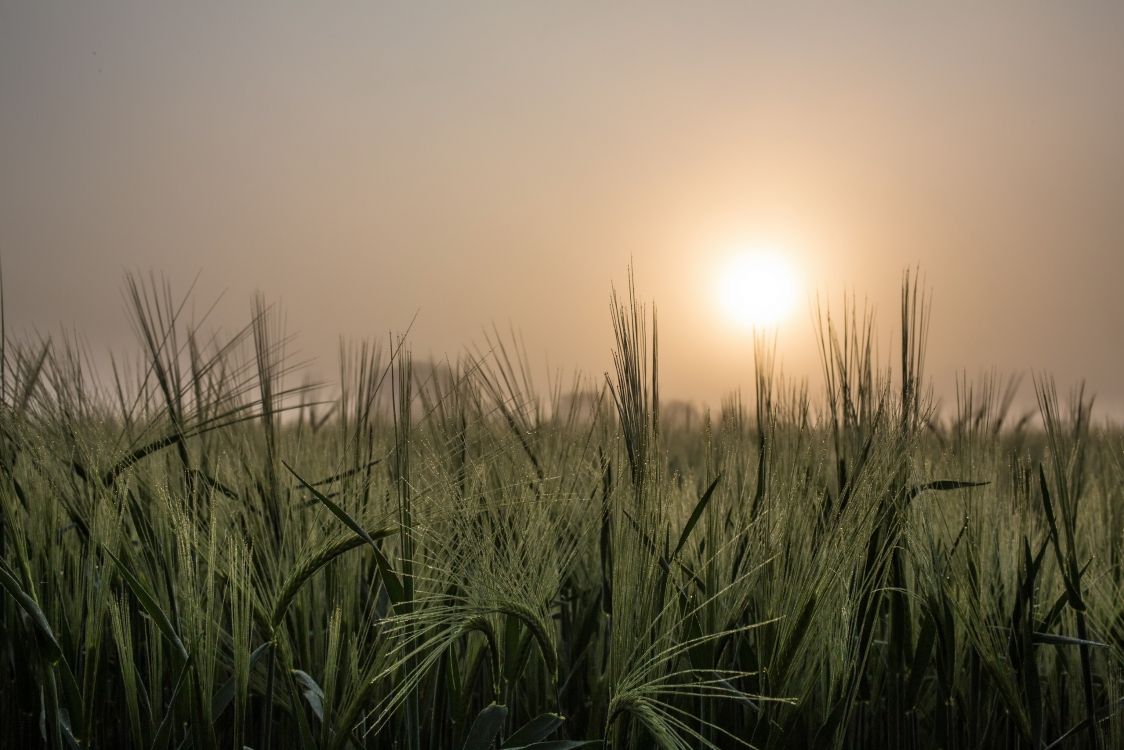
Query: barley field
201,549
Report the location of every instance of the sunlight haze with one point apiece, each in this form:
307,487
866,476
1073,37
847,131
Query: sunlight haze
504,163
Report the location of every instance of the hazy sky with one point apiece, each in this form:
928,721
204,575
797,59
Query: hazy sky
502,162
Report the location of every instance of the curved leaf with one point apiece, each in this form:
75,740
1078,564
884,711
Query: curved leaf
535,730
696,514
484,729
393,584
54,651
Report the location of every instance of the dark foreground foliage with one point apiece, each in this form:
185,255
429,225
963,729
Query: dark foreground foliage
194,553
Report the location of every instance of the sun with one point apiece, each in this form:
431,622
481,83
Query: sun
757,288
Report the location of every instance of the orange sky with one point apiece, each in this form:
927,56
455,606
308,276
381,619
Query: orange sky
502,162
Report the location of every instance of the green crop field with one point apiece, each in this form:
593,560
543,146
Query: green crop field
198,551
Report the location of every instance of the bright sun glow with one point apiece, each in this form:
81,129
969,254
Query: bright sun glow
758,289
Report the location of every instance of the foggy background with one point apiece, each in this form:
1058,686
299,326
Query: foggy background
503,162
